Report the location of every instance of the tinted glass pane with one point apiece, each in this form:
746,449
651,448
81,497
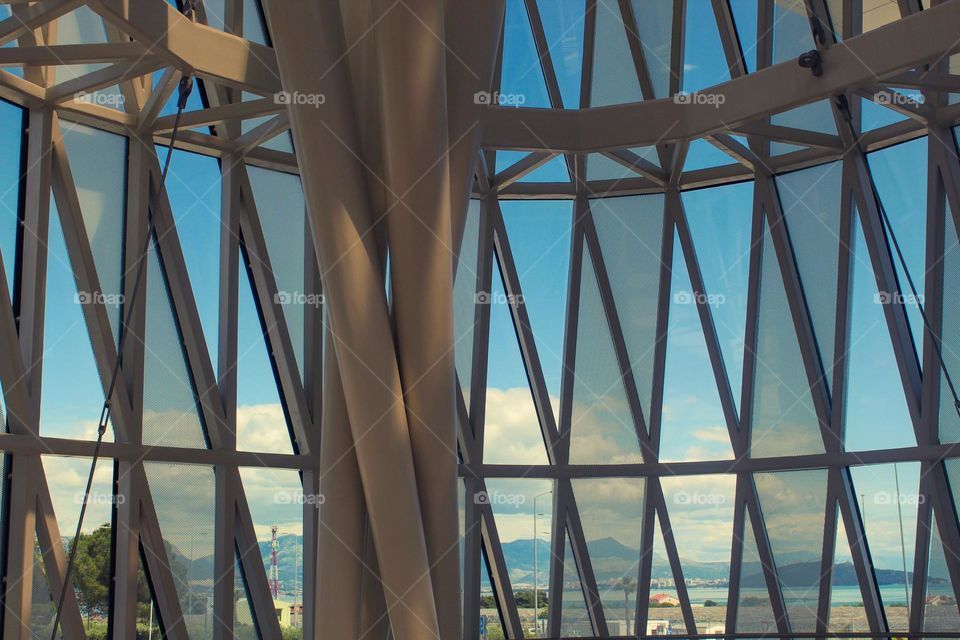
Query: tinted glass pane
11,124
888,497
72,395
940,603
101,192
539,233
949,420
193,186
563,27
847,612
521,80
465,298
704,63
784,420
811,206
793,507
663,610
512,429
745,18
791,30
611,512
183,496
754,610
900,177
170,414
876,415
602,429
719,220
574,620
614,75
261,422
630,231
693,423
282,211
701,517
655,26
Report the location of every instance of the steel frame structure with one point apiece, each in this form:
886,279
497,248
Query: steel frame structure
151,37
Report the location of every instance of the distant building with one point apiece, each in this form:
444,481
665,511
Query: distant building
664,599
288,614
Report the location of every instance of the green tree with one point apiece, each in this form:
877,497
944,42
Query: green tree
91,571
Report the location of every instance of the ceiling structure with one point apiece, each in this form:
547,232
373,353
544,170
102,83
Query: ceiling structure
664,208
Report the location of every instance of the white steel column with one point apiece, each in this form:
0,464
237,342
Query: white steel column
309,45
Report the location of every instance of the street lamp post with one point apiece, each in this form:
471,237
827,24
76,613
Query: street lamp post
536,573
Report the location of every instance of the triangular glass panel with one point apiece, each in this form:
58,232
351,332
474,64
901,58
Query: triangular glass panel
282,209
521,79
600,167
655,26
874,116
950,340
492,617
254,28
170,413
754,609
847,613
745,21
505,158
703,155
940,603
148,614
11,131
784,419
953,477
244,620
183,496
100,189
465,299
216,12
43,608
875,411
79,27
719,219
701,518
540,234
704,63
281,142
72,395
816,116
563,27
630,234
522,510
574,616
66,478
793,505
611,513
512,432
900,176
664,616
261,419
193,187
194,101
811,208
791,30
602,429
693,424
554,170
615,79
835,14
888,496
276,499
